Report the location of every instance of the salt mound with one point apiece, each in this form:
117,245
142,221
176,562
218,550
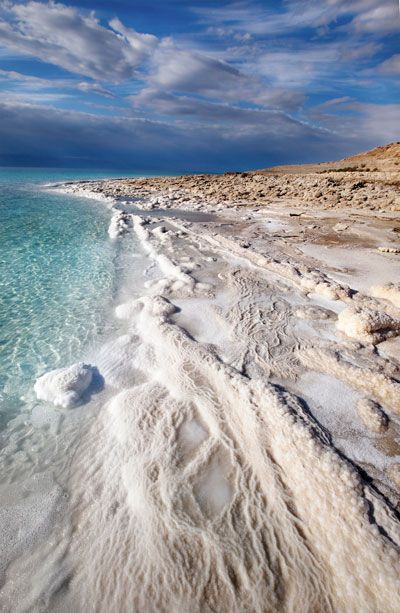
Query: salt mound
312,312
64,386
372,416
156,306
367,325
119,224
389,291
127,310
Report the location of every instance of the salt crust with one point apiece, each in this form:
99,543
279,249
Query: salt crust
64,387
372,415
368,325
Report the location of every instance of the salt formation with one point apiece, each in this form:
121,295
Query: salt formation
367,325
64,386
375,383
389,249
389,291
253,510
313,312
176,278
200,484
119,224
372,415
303,277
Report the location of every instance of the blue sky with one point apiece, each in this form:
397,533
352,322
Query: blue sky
194,86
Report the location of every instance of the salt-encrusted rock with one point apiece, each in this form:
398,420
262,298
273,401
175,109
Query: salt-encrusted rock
64,386
372,416
389,249
367,325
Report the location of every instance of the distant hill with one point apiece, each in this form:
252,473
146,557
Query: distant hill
381,159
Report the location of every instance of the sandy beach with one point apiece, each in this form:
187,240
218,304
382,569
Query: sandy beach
247,456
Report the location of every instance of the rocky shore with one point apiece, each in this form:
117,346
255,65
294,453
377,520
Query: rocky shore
368,181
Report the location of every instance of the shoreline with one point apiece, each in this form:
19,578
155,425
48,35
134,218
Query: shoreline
243,448
237,308
315,244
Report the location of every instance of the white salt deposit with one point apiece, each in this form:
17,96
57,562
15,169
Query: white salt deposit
176,279
368,325
64,387
201,486
360,267
119,224
389,291
372,415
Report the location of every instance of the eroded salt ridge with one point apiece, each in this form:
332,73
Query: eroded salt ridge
368,325
177,276
202,460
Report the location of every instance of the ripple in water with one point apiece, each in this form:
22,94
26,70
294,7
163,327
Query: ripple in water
56,284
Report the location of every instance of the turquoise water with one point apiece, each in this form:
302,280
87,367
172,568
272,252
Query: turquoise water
57,279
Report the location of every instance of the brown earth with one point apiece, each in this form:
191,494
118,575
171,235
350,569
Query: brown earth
369,180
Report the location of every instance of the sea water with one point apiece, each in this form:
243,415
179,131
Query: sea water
57,279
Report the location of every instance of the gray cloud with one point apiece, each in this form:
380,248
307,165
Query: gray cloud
40,135
391,66
180,106
235,106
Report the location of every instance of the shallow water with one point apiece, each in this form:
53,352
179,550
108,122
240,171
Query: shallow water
57,279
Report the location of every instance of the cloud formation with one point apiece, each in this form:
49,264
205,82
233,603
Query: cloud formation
63,36
239,83
391,66
254,18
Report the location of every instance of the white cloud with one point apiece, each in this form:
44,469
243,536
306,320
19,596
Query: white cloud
252,17
363,122
180,70
383,18
30,83
353,53
380,121
62,35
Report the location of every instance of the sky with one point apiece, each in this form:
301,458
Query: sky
186,85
